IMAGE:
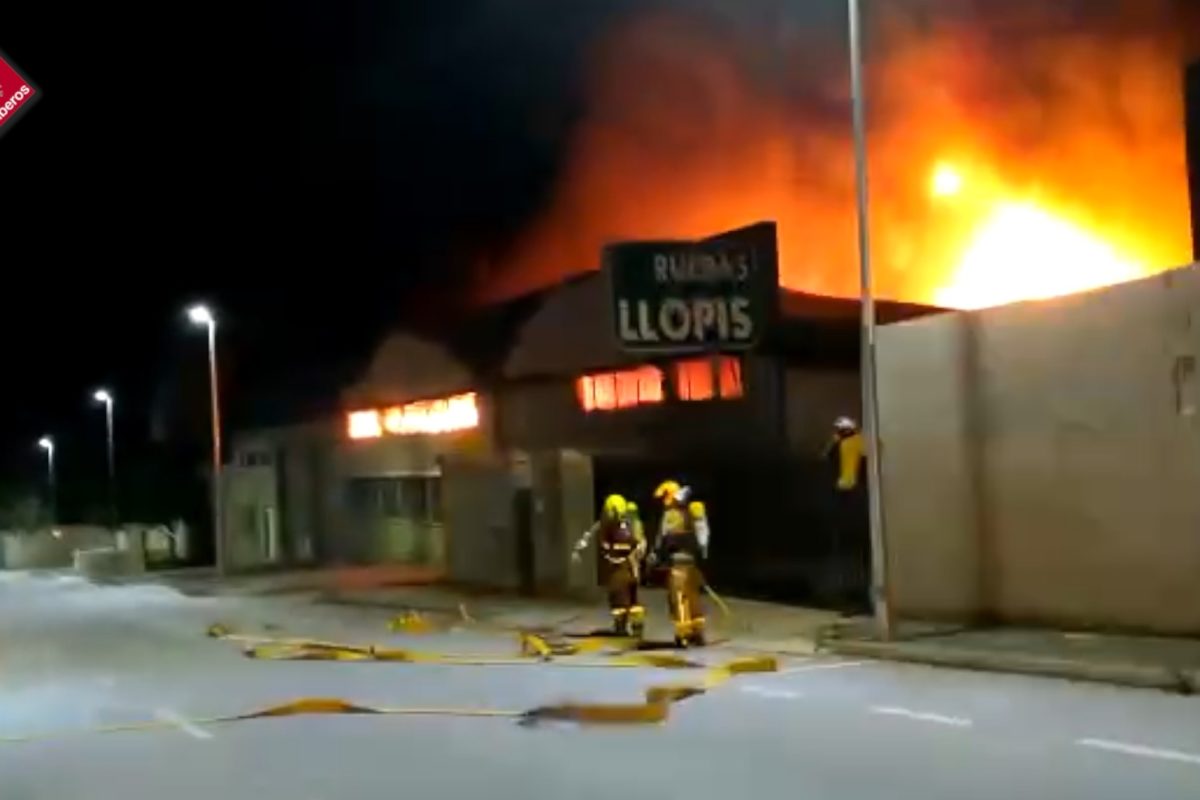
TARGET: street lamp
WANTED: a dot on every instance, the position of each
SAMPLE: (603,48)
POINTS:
(201,315)
(47,444)
(880,587)
(104,396)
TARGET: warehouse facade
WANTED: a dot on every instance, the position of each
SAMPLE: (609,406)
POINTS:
(489,474)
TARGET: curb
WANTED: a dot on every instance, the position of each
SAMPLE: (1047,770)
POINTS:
(803,646)
(1140,676)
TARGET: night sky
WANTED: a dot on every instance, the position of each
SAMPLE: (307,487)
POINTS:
(318,170)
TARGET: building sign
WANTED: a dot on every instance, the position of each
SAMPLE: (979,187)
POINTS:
(445,415)
(16,94)
(680,296)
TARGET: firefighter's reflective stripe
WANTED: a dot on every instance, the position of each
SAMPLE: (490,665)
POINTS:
(617,553)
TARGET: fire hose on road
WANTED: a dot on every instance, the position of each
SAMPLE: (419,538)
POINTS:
(537,650)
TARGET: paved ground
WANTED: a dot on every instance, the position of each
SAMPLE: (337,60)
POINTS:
(74,655)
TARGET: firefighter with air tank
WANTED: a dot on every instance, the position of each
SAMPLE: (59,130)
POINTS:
(622,545)
(681,544)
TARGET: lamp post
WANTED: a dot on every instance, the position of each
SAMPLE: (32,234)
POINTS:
(880,587)
(47,444)
(105,397)
(201,315)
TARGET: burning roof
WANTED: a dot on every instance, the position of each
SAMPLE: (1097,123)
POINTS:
(1018,150)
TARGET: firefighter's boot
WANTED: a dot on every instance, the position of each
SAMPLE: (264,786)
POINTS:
(637,621)
(697,638)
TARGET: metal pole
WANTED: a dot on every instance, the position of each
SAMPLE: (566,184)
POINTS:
(879,562)
(52,485)
(218,516)
(112,465)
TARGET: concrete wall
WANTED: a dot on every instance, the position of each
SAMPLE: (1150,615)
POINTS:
(563,505)
(43,549)
(481,533)
(1041,460)
(249,493)
(306,497)
(296,479)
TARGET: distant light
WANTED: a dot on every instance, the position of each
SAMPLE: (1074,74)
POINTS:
(200,315)
(946,181)
(102,396)
(46,443)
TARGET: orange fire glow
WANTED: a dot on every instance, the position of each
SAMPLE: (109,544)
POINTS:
(457,413)
(1012,156)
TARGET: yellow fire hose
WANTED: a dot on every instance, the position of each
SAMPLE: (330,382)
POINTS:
(303,706)
(655,707)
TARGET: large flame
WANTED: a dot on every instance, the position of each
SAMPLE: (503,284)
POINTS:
(1021,250)
(1010,158)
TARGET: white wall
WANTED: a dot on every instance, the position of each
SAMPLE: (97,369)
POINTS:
(1038,461)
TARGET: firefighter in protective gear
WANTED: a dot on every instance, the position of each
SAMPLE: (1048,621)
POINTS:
(849,550)
(847,451)
(622,545)
(682,543)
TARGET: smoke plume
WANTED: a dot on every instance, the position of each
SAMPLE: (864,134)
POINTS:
(698,122)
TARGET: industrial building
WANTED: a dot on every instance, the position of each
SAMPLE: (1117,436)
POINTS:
(486,472)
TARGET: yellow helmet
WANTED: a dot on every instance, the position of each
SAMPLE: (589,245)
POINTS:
(631,508)
(666,491)
(615,506)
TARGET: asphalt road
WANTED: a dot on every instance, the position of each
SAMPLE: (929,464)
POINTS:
(74,655)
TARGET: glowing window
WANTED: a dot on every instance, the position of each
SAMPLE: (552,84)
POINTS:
(694,379)
(364,425)
(729,373)
(706,378)
(612,390)
(443,415)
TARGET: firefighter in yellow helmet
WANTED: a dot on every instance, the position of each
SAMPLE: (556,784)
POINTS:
(847,451)
(622,545)
(682,542)
(849,551)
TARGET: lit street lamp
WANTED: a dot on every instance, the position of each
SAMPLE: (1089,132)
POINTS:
(47,444)
(200,315)
(880,589)
(104,396)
